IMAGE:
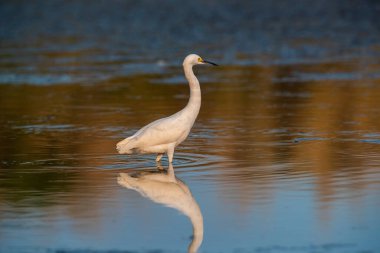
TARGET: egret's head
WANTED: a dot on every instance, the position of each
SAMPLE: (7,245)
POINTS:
(193,59)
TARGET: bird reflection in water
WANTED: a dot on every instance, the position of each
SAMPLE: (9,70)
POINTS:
(165,188)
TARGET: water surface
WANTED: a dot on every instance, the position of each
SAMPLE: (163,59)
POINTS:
(284,156)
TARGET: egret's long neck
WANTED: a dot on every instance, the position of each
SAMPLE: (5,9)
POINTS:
(194,103)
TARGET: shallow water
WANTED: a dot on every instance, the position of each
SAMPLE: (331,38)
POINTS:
(284,156)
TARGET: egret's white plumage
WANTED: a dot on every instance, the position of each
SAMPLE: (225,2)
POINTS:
(164,135)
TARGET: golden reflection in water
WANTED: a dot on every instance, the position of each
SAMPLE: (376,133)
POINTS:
(165,188)
(246,118)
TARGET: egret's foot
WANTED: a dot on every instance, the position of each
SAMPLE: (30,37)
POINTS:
(158,158)
(170,153)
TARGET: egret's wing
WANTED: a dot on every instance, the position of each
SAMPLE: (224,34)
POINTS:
(162,131)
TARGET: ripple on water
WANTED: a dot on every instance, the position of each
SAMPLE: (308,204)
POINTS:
(371,138)
(371,141)
(39,128)
(183,161)
(305,139)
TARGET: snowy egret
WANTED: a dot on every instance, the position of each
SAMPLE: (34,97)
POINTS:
(164,135)
(166,189)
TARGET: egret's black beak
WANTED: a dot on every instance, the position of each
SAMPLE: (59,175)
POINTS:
(214,64)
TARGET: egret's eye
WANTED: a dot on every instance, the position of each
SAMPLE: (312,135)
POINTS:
(200,59)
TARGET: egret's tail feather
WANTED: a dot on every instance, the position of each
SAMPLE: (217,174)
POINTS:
(125,180)
(125,146)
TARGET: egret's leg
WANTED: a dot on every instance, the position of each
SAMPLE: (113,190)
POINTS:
(158,158)
(170,173)
(170,153)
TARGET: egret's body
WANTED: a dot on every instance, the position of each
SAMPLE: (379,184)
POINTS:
(164,135)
